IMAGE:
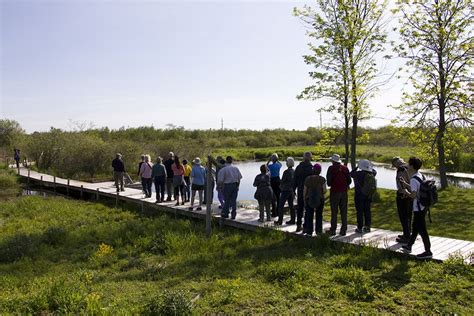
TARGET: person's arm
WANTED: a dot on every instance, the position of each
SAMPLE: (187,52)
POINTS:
(348,178)
(325,188)
(255,181)
(329,176)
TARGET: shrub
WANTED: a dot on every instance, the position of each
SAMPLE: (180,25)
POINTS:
(16,247)
(169,303)
(54,236)
(357,284)
(281,272)
(104,256)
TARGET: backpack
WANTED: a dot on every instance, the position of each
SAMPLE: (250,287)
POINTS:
(427,194)
(314,198)
(370,185)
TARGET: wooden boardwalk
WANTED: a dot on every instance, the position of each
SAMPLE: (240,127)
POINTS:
(441,247)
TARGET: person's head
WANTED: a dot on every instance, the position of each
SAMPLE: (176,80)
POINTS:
(335,159)
(397,162)
(185,162)
(118,155)
(274,157)
(290,162)
(317,169)
(307,156)
(263,169)
(229,159)
(197,161)
(147,158)
(176,160)
(171,155)
(159,160)
(414,163)
(142,157)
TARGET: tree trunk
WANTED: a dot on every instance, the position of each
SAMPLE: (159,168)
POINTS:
(346,112)
(355,107)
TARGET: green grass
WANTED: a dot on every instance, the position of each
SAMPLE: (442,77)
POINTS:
(9,186)
(453,215)
(375,153)
(66,256)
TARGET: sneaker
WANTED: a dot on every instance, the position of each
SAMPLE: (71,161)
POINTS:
(122,189)
(177,204)
(402,240)
(425,255)
(400,236)
(220,207)
(260,220)
(233,217)
(359,230)
(342,233)
(366,229)
(330,232)
(406,248)
(199,209)
(182,203)
(308,234)
(292,222)
(277,223)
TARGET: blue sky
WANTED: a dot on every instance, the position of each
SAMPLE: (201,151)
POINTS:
(133,63)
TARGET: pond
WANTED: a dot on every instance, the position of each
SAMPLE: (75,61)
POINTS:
(385,177)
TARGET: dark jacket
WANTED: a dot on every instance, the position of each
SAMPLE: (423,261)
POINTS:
(139,167)
(118,165)
(288,180)
(338,178)
(359,178)
(169,171)
(303,170)
(264,190)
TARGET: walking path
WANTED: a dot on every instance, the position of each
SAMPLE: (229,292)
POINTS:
(441,247)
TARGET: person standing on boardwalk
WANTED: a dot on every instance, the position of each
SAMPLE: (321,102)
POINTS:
(404,201)
(158,174)
(314,190)
(145,173)
(264,194)
(287,188)
(419,211)
(119,171)
(16,156)
(303,170)
(198,180)
(274,166)
(339,180)
(142,160)
(187,180)
(169,176)
(365,186)
(229,177)
(219,163)
(178,180)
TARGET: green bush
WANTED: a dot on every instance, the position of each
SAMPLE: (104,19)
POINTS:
(54,236)
(169,303)
(16,247)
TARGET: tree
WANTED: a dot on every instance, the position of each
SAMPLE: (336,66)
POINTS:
(10,130)
(349,34)
(436,40)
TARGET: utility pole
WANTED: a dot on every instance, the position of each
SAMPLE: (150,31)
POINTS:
(320,119)
(222,124)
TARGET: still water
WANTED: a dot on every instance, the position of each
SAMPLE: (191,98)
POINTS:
(385,177)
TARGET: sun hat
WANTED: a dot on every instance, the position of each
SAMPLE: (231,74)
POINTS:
(365,165)
(197,161)
(336,158)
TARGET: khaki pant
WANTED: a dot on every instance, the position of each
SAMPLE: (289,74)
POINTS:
(118,178)
(338,201)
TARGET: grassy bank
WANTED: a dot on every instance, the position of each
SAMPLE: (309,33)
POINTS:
(375,153)
(9,186)
(71,257)
(453,215)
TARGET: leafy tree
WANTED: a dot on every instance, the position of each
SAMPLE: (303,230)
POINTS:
(349,34)
(10,131)
(436,40)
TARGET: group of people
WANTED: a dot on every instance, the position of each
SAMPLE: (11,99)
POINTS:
(305,182)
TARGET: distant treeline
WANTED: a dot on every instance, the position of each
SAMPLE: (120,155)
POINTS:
(87,153)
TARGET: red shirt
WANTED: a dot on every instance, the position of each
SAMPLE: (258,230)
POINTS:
(338,178)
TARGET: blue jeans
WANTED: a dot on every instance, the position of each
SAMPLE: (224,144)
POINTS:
(146,184)
(160,183)
(362,205)
(231,190)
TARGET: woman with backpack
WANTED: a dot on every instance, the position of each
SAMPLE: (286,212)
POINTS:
(145,172)
(264,193)
(314,190)
(365,187)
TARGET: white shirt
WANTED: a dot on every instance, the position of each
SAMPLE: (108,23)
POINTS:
(229,174)
(415,187)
